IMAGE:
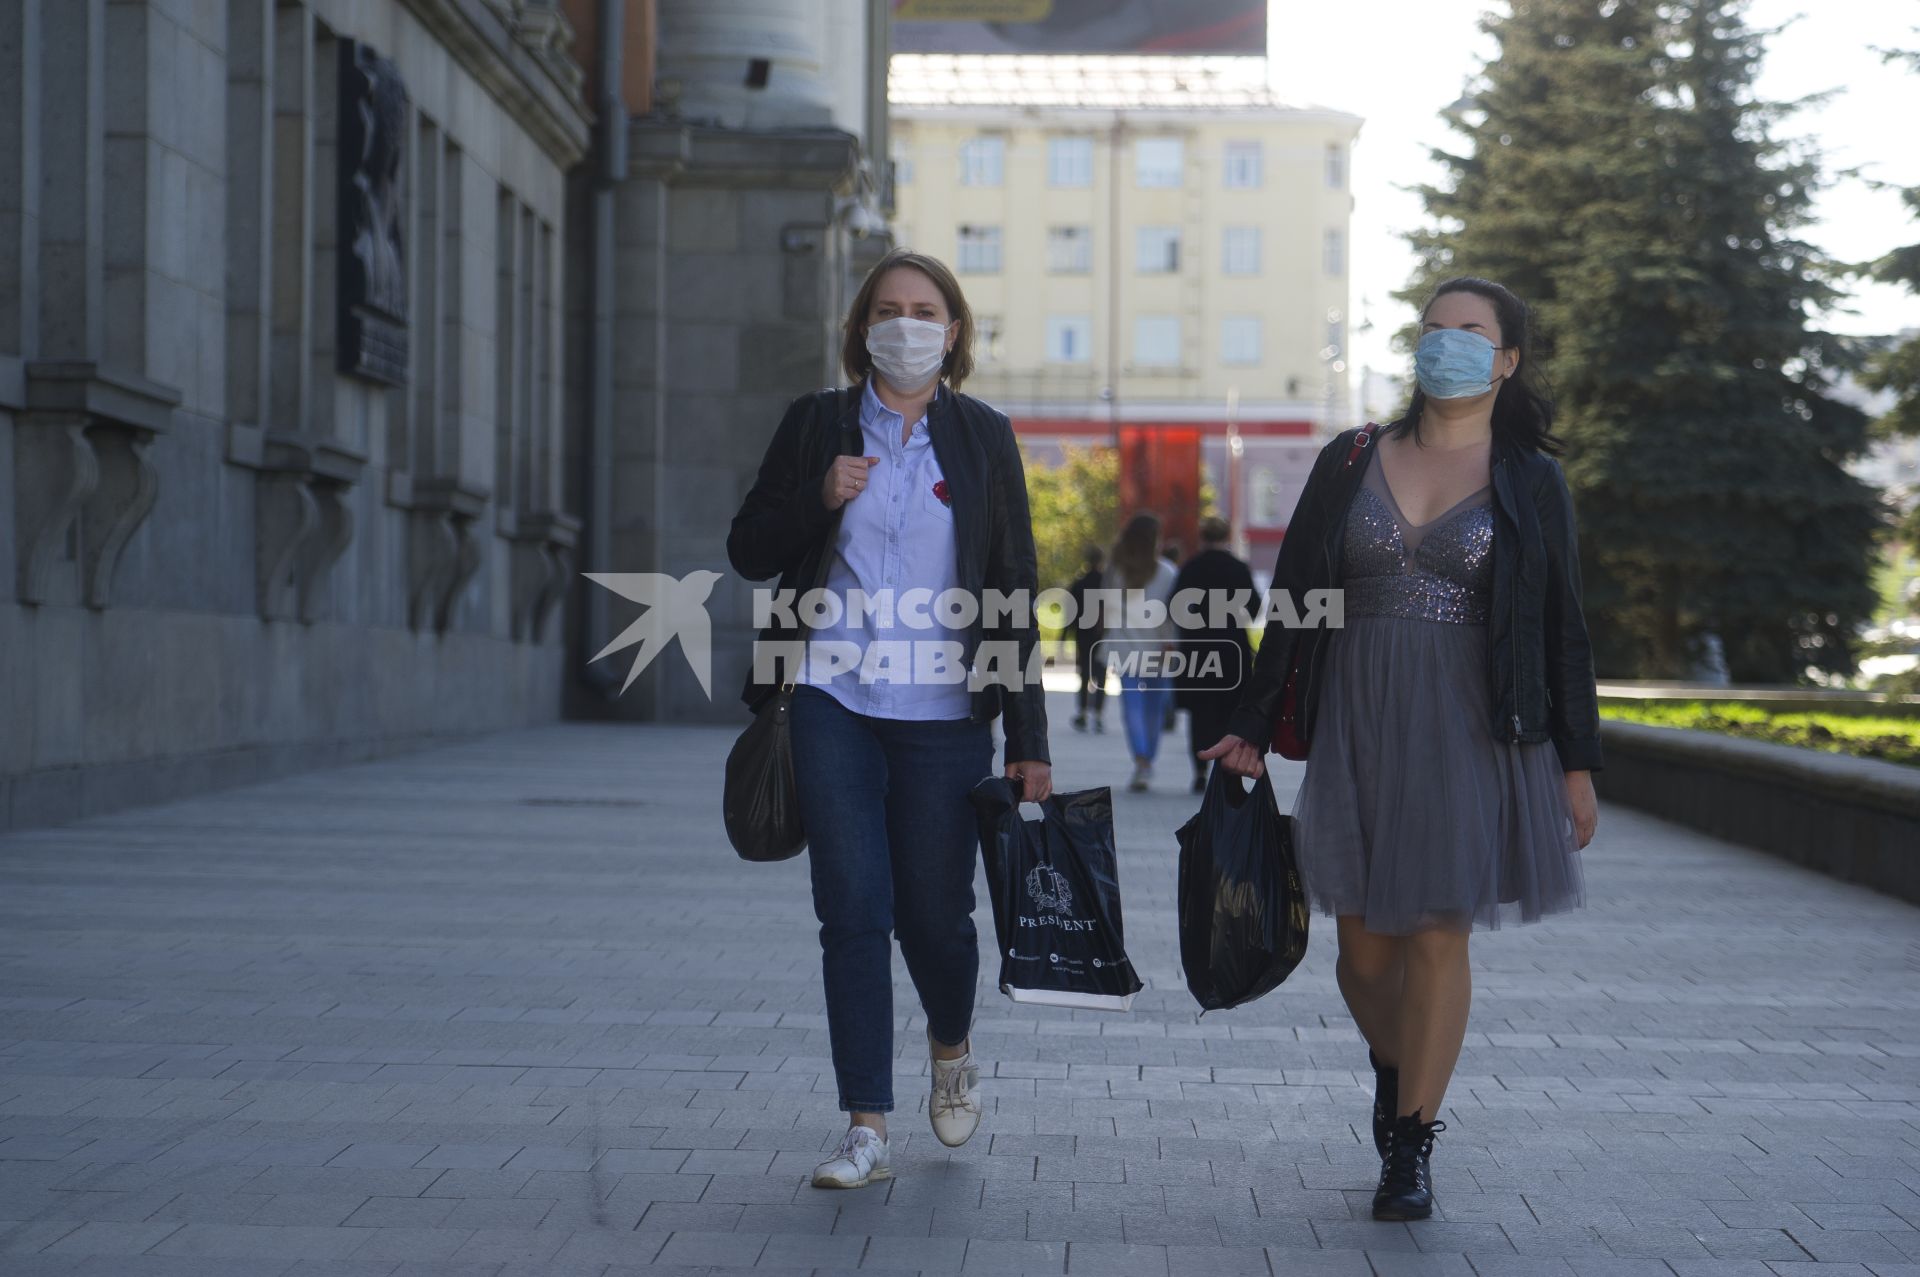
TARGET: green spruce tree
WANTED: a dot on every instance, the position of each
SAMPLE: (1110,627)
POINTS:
(1897,368)
(1623,178)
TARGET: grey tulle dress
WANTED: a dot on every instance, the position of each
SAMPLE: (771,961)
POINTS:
(1412,813)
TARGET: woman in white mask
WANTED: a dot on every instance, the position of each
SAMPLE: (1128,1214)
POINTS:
(913,494)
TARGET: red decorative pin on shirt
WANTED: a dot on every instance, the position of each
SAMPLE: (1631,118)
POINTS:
(940,490)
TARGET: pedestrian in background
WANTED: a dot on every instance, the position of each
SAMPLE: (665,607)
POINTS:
(1088,628)
(932,496)
(1449,780)
(1137,569)
(1208,694)
(1170,708)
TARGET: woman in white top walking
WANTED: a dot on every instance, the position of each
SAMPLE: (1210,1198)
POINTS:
(1147,582)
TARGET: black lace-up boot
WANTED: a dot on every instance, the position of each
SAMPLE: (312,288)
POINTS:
(1406,1178)
(1386,1101)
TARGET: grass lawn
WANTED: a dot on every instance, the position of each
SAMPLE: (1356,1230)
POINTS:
(1894,740)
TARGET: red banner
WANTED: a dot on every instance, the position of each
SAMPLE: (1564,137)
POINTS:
(1160,473)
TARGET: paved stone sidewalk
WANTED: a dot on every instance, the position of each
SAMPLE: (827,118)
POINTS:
(513,1007)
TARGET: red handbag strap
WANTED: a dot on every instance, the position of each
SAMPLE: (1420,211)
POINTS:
(1362,439)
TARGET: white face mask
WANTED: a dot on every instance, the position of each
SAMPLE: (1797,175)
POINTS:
(907,352)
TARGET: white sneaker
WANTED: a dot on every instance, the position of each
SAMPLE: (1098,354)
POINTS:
(955,1103)
(863,1158)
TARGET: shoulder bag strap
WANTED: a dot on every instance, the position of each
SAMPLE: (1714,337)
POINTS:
(1361,440)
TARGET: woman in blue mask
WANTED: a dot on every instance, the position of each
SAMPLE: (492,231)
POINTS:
(1452,718)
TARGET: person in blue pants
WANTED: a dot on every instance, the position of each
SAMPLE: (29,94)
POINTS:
(1138,638)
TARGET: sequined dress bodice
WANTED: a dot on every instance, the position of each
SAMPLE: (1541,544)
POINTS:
(1441,570)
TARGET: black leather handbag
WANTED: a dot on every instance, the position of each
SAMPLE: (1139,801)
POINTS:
(761,803)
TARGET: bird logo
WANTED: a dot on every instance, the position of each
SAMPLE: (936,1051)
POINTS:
(676,607)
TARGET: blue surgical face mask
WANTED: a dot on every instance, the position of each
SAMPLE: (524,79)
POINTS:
(1452,363)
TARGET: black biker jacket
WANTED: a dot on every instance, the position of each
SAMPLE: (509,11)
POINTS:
(1539,662)
(784,526)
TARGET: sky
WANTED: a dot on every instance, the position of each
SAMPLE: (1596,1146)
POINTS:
(1398,62)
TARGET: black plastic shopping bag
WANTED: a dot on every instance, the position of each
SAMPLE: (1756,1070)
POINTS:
(1056,898)
(1243,916)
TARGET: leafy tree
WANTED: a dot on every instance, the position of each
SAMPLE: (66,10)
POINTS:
(1623,178)
(1074,505)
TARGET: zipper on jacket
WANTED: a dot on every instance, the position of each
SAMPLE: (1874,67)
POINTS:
(1513,647)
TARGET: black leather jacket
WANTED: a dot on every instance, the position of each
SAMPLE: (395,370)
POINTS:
(1539,663)
(784,526)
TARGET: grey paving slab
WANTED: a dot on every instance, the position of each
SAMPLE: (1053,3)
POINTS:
(514,1007)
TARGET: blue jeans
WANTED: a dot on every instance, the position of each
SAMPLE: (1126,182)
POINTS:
(892,840)
(1143,701)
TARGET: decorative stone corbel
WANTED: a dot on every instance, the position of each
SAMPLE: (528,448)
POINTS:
(54,474)
(324,545)
(443,550)
(302,523)
(284,515)
(82,472)
(543,544)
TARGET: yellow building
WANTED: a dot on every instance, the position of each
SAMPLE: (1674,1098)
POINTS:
(1147,242)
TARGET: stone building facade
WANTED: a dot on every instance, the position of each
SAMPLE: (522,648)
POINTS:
(282,364)
(746,203)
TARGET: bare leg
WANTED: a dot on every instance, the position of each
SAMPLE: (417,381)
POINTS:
(1435,999)
(1370,973)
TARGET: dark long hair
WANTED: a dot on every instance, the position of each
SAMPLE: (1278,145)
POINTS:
(1137,549)
(1522,411)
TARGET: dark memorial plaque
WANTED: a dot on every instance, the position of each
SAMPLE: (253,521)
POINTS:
(373,275)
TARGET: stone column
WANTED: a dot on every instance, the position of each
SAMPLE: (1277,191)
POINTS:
(753,64)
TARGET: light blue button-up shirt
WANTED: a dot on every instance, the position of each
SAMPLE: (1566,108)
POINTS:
(895,536)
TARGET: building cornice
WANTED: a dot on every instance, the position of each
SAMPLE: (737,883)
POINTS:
(1105,118)
(802,159)
(518,51)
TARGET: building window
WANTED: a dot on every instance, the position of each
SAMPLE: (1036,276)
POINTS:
(1069,250)
(1156,340)
(1070,161)
(1242,165)
(1240,250)
(1263,497)
(1157,250)
(979,250)
(1240,339)
(1069,339)
(1158,161)
(1334,252)
(1336,166)
(983,161)
(1336,340)
(987,334)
